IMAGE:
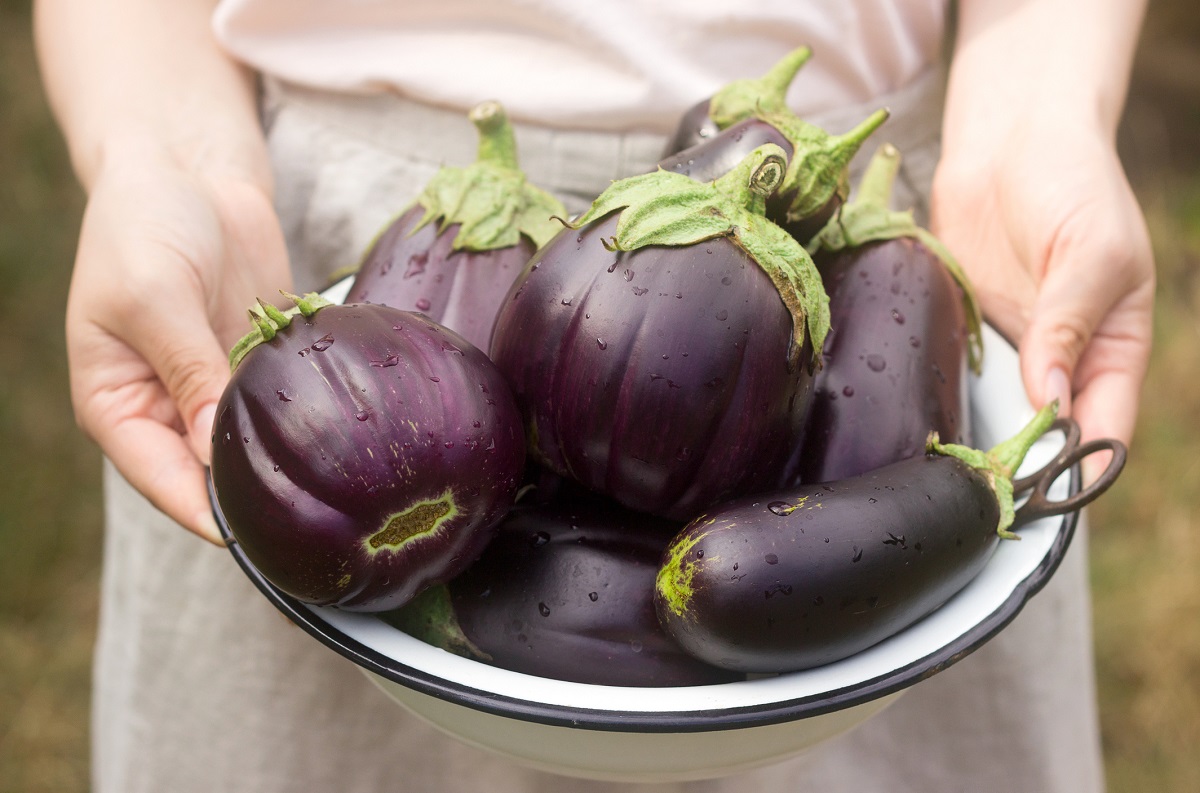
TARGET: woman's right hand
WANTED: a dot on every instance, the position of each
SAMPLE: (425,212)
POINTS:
(169,261)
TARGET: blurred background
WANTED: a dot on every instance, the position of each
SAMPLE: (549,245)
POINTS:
(1146,531)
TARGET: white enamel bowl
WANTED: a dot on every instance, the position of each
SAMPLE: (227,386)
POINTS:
(664,734)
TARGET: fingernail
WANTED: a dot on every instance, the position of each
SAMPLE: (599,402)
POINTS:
(1058,386)
(206,527)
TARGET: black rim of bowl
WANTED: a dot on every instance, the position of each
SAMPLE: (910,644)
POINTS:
(664,721)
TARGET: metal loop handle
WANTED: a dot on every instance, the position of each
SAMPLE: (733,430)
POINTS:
(1040,505)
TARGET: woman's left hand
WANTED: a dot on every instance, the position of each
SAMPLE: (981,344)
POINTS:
(1050,233)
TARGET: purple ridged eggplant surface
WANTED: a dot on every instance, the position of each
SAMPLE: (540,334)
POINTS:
(459,289)
(895,361)
(660,376)
(363,454)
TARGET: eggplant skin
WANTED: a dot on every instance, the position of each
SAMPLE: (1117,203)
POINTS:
(894,364)
(566,591)
(695,126)
(658,377)
(364,454)
(460,290)
(811,575)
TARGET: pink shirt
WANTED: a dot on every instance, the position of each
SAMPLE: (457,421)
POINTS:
(603,64)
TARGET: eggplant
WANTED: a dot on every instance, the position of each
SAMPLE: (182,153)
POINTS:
(455,251)
(661,346)
(905,329)
(716,134)
(815,185)
(735,102)
(362,453)
(565,591)
(806,576)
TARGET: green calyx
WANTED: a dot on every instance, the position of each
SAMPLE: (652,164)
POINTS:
(1001,462)
(869,218)
(819,162)
(430,617)
(490,200)
(665,208)
(269,320)
(742,99)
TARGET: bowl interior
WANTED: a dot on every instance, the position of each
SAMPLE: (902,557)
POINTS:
(1016,571)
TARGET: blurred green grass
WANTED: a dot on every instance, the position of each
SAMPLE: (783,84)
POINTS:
(50,510)
(1146,545)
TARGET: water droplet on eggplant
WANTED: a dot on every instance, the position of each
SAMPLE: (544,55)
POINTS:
(566,301)
(416,264)
(322,344)
(543,609)
(848,391)
(601,343)
(876,362)
(781,508)
(771,559)
(283,397)
(593,596)
(627,275)
(722,315)
(423,304)
(362,415)
(897,317)
(391,360)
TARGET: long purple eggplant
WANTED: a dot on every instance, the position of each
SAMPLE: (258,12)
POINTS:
(565,591)
(661,348)
(716,134)
(809,575)
(904,330)
(362,453)
(453,254)
(736,101)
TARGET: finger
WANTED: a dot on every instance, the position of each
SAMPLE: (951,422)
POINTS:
(158,462)
(1068,311)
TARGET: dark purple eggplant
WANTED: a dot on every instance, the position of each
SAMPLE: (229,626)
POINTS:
(565,591)
(904,329)
(815,185)
(810,575)
(362,453)
(455,251)
(736,101)
(661,347)
(716,134)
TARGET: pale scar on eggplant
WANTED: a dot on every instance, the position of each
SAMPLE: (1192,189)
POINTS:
(674,580)
(422,519)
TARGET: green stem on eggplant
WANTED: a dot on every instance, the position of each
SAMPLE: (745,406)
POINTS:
(269,320)
(490,200)
(869,218)
(1001,462)
(742,99)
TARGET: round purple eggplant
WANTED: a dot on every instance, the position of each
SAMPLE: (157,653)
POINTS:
(904,329)
(810,575)
(661,352)
(565,591)
(362,453)
(454,253)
